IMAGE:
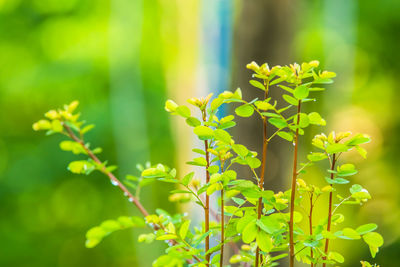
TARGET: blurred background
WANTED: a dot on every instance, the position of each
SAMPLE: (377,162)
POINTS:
(122,59)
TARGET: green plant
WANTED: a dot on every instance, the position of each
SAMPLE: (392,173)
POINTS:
(267,224)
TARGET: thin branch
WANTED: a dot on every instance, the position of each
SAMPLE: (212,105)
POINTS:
(221,259)
(262,171)
(207,204)
(328,228)
(118,183)
(293,192)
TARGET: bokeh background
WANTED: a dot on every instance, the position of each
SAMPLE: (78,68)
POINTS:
(123,58)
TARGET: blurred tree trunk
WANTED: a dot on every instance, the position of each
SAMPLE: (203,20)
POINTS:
(262,33)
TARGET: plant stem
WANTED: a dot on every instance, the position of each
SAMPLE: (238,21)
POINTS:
(221,259)
(311,225)
(263,163)
(114,179)
(328,228)
(293,191)
(207,204)
(110,175)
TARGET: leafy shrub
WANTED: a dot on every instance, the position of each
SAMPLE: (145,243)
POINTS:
(260,225)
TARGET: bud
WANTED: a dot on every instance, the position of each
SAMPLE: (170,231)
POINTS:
(52,114)
(170,106)
(253,66)
(71,107)
(41,125)
(314,63)
(264,69)
(245,247)
(327,74)
(236,259)
(342,135)
(301,183)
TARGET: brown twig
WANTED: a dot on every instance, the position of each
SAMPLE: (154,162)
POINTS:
(207,204)
(117,182)
(311,224)
(293,190)
(221,259)
(328,228)
(263,163)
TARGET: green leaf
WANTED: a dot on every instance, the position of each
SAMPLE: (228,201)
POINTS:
(198,162)
(269,224)
(278,123)
(286,88)
(358,140)
(96,234)
(184,111)
(192,121)
(73,146)
(216,103)
(257,84)
(188,177)
(56,126)
(184,229)
(291,100)
(336,180)
(269,114)
(241,150)
(203,132)
(336,257)
(373,239)
(214,187)
(81,166)
(167,237)
(243,222)
(223,136)
(238,201)
(366,228)
(249,232)
(304,120)
(264,241)
(336,148)
(316,119)
(351,233)
(227,125)
(362,151)
(146,238)
(213,169)
(201,238)
(254,163)
(285,135)
(87,128)
(263,105)
(316,156)
(346,170)
(356,188)
(244,110)
(301,92)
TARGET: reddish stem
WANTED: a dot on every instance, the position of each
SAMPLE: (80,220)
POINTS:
(328,228)
(311,225)
(207,204)
(293,190)
(221,260)
(117,182)
(262,171)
